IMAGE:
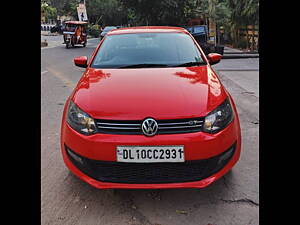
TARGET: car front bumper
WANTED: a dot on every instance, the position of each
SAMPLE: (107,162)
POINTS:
(101,148)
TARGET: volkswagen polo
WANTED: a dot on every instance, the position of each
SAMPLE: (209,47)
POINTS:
(149,112)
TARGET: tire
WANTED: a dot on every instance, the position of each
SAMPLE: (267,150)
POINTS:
(67,45)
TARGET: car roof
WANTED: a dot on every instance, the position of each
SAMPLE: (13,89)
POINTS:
(109,28)
(147,29)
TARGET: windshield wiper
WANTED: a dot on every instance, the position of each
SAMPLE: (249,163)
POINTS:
(190,64)
(144,65)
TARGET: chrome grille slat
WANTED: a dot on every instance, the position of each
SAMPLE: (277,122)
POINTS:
(179,127)
(118,124)
(133,127)
(181,123)
(119,127)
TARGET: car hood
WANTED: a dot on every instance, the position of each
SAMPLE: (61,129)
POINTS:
(160,93)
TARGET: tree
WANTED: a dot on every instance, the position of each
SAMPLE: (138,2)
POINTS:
(159,12)
(251,14)
(49,12)
(59,5)
(70,8)
(243,13)
(231,14)
(106,12)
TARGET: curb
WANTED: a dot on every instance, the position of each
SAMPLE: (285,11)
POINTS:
(255,52)
(241,52)
(240,56)
(48,47)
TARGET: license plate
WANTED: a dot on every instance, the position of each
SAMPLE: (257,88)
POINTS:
(150,154)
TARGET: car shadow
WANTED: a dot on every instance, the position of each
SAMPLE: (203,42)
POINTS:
(184,200)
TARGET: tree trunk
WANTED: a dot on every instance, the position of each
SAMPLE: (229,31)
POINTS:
(253,33)
(247,37)
(238,36)
(235,42)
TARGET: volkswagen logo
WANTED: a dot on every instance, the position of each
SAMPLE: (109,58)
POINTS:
(149,127)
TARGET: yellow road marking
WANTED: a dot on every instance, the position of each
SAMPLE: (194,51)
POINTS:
(60,76)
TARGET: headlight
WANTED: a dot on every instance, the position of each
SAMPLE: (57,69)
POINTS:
(219,118)
(80,121)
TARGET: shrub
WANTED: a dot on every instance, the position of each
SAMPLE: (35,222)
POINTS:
(242,43)
(94,30)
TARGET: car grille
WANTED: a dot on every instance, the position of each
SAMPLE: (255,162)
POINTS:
(164,126)
(151,173)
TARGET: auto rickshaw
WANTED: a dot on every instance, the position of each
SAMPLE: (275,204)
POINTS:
(75,33)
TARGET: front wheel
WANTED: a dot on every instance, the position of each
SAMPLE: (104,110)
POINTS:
(67,45)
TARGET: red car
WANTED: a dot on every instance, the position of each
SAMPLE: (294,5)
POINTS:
(150,112)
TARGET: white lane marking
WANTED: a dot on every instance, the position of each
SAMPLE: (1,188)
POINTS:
(44,72)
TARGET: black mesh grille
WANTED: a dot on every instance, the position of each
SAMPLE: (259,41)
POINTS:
(152,173)
(164,126)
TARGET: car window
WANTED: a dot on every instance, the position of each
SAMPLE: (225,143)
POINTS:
(146,48)
(199,30)
(189,29)
(109,28)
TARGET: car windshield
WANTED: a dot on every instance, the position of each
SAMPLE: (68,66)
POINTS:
(199,30)
(141,50)
(71,27)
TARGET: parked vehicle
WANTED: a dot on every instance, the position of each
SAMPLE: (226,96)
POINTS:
(57,28)
(150,113)
(105,30)
(200,33)
(75,33)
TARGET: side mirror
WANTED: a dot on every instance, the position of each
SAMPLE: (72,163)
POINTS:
(81,61)
(214,58)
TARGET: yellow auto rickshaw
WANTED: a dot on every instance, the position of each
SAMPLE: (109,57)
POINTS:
(75,33)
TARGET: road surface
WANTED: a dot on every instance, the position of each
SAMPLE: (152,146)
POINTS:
(66,200)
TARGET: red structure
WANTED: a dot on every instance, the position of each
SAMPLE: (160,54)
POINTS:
(196,21)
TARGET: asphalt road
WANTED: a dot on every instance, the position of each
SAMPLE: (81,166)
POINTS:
(233,199)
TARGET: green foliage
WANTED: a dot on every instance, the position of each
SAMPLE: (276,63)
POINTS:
(158,12)
(48,11)
(161,12)
(243,13)
(223,13)
(70,8)
(231,14)
(251,11)
(106,12)
(94,30)
(64,7)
